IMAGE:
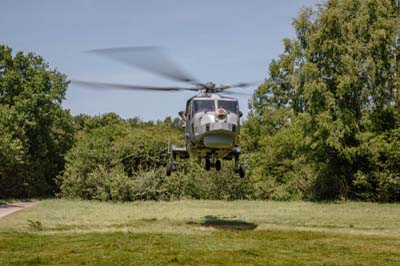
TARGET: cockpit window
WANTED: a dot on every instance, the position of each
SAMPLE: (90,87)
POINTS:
(203,106)
(230,106)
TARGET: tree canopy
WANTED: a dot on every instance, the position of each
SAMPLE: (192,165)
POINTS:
(331,104)
(35,132)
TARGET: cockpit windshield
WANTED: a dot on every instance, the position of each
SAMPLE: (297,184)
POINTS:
(203,106)
(230,106)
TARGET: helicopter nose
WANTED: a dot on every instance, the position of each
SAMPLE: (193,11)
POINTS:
(221,113)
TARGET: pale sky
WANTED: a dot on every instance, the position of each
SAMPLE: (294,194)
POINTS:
(224,41)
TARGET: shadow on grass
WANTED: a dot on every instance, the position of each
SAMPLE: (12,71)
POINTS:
(224,224)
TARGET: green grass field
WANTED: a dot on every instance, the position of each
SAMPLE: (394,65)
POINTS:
(65,232)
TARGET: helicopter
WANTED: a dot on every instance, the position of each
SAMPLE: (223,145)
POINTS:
(211,119)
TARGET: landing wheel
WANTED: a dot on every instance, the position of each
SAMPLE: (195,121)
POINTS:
(218,165)
(241,171)
(208,164)
(169,169)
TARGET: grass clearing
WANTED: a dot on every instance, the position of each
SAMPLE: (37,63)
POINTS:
(68,232)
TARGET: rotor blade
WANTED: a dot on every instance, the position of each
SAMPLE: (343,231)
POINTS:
(106,85)
(240,85)
(236,93)
(152,59)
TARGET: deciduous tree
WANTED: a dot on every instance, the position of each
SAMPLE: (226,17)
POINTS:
(35,132)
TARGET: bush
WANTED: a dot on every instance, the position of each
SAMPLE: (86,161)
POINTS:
(117,160)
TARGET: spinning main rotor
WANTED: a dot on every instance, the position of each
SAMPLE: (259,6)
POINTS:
(154,60)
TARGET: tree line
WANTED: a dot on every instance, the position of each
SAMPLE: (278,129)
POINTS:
(323,126)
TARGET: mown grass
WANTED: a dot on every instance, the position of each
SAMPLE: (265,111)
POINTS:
(202,233)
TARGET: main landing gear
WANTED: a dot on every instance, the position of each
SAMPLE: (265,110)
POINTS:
(175,151)
(239,168)
(169,168)
(211,161)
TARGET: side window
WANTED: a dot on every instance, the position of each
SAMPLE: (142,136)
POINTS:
(189,111)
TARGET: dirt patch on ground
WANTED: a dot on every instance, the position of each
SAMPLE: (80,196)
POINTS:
(14,207)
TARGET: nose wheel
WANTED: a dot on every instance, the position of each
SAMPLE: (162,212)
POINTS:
(208,165)
(216,163)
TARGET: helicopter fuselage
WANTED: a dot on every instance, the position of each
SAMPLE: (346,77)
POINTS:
(212,130)
(212,126)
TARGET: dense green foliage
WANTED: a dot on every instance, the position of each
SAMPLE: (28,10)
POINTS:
(326,122)
(114,159)
(35,132)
